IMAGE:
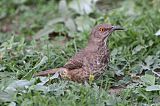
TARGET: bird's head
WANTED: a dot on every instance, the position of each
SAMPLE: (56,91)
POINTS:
(101,32)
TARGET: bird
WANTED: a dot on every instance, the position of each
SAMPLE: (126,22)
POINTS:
(89,62)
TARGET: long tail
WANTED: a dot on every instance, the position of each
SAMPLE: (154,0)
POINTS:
(48,72)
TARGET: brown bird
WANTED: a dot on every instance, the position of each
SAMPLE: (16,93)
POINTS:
(90,61)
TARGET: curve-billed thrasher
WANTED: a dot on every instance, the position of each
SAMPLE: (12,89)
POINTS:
(90,61)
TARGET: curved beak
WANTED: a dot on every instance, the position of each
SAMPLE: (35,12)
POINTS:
(113,29)
(117,28)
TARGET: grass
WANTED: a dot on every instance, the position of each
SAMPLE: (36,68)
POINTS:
(134,63)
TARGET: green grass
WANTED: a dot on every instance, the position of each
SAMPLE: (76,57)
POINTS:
(135,54)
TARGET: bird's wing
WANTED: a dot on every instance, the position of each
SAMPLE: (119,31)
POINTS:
(76,61)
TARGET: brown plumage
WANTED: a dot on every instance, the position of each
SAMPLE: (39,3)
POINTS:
(91,60)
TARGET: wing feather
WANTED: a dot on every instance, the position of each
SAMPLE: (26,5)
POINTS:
(76,61)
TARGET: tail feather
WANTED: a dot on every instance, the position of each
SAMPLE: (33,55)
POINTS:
(48,72)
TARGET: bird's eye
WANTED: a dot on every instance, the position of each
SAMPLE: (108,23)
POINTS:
(102,29)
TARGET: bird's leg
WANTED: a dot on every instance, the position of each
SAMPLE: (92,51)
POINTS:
(91,69)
